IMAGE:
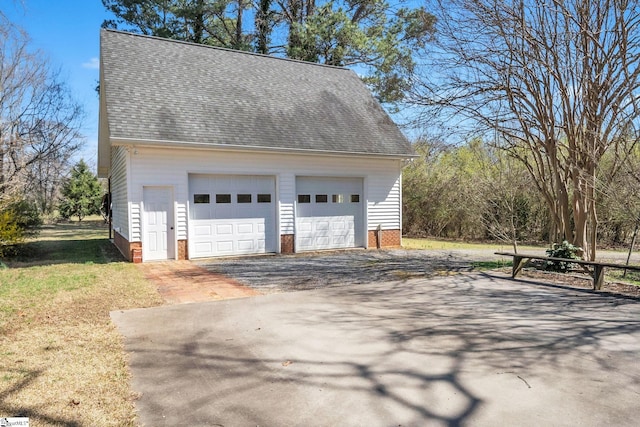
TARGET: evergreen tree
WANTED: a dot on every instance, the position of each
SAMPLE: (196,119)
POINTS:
(379,38)
(81,193)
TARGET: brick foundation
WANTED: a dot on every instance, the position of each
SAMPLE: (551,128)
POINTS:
(388,239)
(287,243)
(136,254)
(183,250)
(132,251)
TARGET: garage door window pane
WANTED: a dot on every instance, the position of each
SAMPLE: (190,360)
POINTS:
(244,198)
(304,198)
(201,198)
(264,198)
(337,198)
(355,198)
(223,198)
(321,198)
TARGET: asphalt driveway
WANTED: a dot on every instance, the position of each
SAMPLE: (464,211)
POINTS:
(271,274)
(470,349)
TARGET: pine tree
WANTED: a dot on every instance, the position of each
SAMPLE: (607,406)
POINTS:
(81,193)
(380,38)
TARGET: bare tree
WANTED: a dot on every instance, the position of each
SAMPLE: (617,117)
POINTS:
(557,81)
(45,179)
(39,121)
(508,204)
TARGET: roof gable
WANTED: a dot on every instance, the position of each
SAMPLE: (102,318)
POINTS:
(163,90)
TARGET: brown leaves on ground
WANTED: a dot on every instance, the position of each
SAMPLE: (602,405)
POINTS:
(62,360)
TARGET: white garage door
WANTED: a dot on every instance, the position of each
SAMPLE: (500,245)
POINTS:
(231,215)
(329,213)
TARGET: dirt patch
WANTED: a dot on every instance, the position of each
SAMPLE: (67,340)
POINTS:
(578,280)
(181,282)
(63,361)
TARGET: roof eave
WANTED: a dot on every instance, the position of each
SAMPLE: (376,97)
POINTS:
(256,149)
(104,146)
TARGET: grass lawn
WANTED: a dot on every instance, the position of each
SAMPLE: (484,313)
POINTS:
(632,277)
(612,275)
(410,243)
(62,361)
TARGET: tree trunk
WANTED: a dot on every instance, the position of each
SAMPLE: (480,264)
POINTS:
(633,242)
(263,26)
(198,23)
(238,35)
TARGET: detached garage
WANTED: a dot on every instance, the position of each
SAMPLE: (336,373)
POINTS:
(213,152)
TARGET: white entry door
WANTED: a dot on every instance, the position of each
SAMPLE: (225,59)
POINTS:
(157,240)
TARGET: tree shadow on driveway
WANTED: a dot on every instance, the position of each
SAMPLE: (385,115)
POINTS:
(465,350)
(284,273)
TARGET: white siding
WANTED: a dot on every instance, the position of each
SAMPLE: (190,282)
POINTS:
(136,221)
(385,204)
(119,200)
(167,167)
(286,192)
(181,221)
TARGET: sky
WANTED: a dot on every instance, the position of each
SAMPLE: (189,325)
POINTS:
(68,34)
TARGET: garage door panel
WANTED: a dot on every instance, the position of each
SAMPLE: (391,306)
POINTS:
(245,228)
(326,216)
(246,245)
(322,241)
(338,240)
(224,246)
(340,225)
(322,225)
(346,240)
(234,236)
(204,247)
(224,229)
(203,230)
(236,223)
(304,226)
(305,242)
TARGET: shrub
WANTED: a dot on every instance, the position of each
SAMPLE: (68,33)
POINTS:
(18,220)
(27,216)
(10,233)
(565,250)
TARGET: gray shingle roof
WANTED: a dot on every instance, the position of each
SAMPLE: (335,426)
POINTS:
(164,90)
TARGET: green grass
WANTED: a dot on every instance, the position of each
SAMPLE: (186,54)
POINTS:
(72,242)
(632,277)
(410,243)
(58,340)
(491,265)
(56,261)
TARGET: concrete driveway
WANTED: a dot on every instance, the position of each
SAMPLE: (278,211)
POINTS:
(470,349)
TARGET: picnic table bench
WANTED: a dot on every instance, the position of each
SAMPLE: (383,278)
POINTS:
(597,271)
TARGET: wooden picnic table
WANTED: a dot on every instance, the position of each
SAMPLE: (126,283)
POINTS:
(597,267)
